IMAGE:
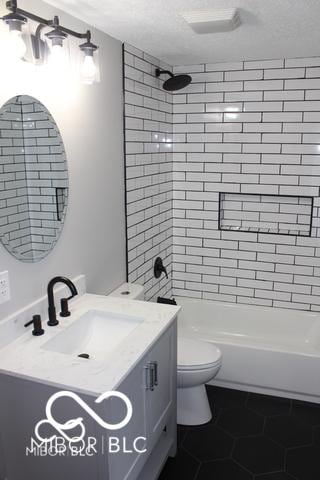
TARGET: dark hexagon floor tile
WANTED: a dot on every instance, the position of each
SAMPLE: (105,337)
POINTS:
(181,434)
(208,443)
(222,470)
(267,405)
(225,397)
(259,454)
(275,476)
(289,431)
(304,463)
(241,421)
(306,412)
(215,414)
(215,408)
(182,466)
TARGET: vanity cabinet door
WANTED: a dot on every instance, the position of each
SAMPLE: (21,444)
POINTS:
(124,464)
(161,382)
(152,392)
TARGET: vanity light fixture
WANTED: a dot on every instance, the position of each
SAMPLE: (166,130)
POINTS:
(17,21)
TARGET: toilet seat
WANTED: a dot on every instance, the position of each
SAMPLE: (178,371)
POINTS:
(197,354)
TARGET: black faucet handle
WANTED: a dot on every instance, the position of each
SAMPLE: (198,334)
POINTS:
(165,271)
(65,312)
(159,268)
(37,325)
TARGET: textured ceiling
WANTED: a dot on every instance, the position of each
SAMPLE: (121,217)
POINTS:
(270,28)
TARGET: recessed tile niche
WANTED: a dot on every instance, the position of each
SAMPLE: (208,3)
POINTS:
(276,214)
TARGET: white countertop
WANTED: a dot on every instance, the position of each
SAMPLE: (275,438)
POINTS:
(25,358)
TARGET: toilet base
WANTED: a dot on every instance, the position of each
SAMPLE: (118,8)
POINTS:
(193,406)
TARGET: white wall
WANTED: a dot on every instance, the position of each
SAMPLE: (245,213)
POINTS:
(90,121)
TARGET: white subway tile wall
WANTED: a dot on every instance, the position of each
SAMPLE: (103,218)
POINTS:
(149,180)
(250,134)
(248,128)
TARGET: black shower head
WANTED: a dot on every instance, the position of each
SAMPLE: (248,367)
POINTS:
(175,82)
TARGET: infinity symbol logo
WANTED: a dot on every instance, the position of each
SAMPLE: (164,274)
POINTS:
(78,422)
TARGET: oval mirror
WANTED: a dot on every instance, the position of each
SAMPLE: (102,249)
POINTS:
(33,179)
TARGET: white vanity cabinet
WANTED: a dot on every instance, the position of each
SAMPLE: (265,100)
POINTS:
(151,387)
(143,366)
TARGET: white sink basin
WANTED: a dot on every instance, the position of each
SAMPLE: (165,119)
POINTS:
(95,333)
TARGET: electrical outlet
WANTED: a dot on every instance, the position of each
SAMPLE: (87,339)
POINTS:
(4,287)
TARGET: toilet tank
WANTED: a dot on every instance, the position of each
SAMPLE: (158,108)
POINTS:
(134,291)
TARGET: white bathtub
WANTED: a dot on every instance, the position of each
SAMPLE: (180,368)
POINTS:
(265,350)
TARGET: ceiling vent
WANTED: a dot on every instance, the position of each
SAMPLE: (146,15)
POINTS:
(213,21)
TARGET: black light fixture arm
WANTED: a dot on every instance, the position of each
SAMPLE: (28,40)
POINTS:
(13,7)
(37,43)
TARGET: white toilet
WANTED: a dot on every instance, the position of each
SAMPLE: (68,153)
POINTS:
(132,291)
(198,363)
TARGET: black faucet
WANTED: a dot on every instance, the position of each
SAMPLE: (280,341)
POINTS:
(51,307)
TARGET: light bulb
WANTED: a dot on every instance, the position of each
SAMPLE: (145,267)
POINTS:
(88,69)
(57,55)
(17,47)
(58,60)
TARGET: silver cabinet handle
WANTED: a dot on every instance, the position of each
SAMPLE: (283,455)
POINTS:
(149,369)
(155,372)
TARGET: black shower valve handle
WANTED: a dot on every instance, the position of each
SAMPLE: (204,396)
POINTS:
(159,268)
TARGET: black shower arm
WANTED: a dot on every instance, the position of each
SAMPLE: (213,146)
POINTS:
(162,72)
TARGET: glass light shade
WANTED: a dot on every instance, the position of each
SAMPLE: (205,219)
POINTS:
(17,38)
(89,67)
(59,57)
(17,47)
(15,42)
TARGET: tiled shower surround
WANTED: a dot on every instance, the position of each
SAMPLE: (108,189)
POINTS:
(148,122)
(251,129)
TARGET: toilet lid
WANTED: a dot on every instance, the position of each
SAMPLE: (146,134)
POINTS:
(195,354)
